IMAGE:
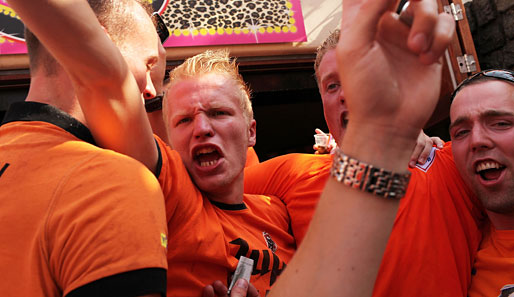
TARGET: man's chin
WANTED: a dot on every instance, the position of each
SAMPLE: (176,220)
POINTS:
(210,185)
(499,201)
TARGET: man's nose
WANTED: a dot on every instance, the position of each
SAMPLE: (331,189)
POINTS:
(149,91)
(202,126)
(342,99)
(480,139)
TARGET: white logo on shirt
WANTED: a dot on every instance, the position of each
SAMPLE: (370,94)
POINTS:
(430,160)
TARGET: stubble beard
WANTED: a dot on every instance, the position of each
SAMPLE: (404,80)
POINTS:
(501,201)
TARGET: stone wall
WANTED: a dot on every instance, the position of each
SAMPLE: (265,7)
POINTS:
(492,26)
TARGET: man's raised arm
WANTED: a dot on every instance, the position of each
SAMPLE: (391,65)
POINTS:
(108,93)
(391,77)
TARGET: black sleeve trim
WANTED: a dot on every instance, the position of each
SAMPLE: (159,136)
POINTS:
(158,167)
(154,104)
(127,284)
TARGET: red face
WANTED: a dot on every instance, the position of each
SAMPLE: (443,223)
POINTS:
(206,125)
(482,132)
(332,95)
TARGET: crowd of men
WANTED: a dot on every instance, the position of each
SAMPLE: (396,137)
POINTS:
(101,198)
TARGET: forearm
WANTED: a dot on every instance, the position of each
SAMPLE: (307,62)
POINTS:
(120,124)
(380,144)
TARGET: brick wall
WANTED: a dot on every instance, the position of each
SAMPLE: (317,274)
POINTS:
(492,25)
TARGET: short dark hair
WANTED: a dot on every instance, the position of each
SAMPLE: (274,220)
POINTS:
(114,15)
(485,75)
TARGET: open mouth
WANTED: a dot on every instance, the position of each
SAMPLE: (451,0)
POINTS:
(206,156)
(344,119)
(489,170)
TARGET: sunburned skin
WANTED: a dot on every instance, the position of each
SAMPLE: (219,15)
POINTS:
(482,133)
(332,95)
(208,128)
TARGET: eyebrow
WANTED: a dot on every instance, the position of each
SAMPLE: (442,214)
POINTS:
(212,106)
(486,114)
(329,76)
(458,121)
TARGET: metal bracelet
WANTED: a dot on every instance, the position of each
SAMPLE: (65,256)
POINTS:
(365,177)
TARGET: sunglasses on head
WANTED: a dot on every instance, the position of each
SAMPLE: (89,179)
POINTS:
(506,75)
(154,104)
(162,29)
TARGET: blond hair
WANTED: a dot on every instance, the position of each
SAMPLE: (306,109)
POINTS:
(330,43)
(212,61)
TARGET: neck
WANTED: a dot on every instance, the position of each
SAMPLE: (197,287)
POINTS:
(56,90)
(501,221)
(229,194)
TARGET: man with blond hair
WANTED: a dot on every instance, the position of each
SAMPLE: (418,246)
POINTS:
(210,124)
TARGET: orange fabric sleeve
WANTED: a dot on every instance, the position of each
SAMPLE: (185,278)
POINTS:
(251,157)
(298,179)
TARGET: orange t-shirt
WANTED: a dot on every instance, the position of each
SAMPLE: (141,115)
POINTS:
(494,265)
(298,179)
(435,234)
(207,238)
(74,218)
(251,157)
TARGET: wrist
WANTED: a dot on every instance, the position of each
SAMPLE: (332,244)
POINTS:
(384,146)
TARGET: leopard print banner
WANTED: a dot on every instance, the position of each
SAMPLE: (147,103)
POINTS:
(208,22)
(198,22)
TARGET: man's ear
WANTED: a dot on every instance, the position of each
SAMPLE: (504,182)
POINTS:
(252,133)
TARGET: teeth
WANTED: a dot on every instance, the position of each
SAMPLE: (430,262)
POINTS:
(487,165)
(207,163)
(205,151)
